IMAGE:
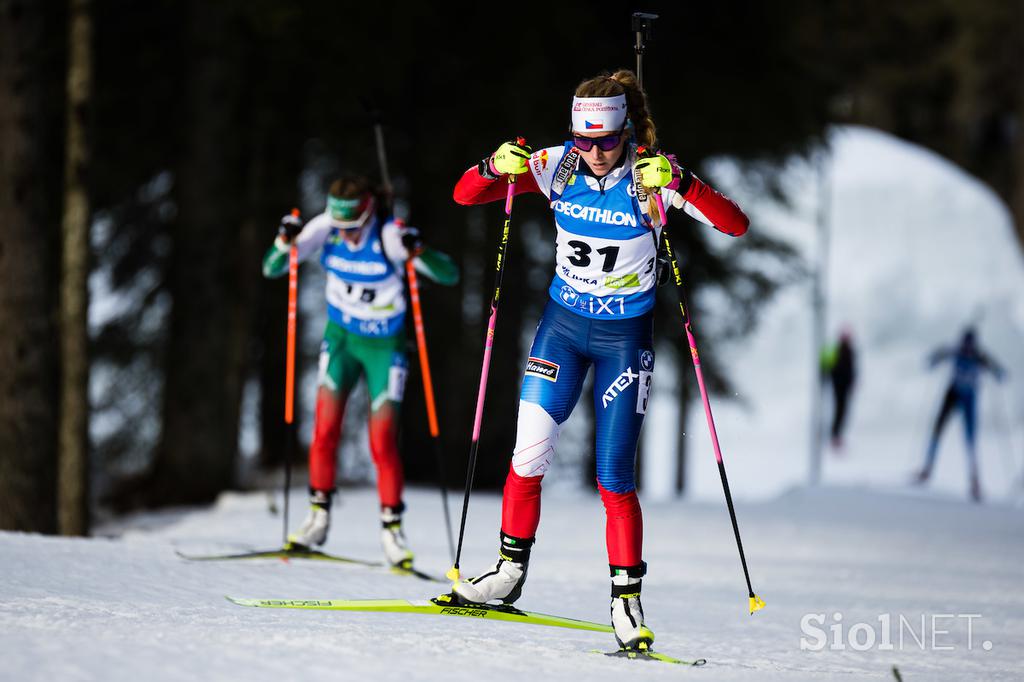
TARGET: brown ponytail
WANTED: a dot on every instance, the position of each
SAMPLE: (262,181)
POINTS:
(623,82)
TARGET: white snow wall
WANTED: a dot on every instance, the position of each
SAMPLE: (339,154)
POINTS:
(919,249)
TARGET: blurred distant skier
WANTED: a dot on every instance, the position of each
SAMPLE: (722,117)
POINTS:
(968,363)
(839,363)
(363,249)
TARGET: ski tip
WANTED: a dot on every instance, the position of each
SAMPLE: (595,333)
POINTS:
(241,601)
(453,574)
(648,655)
(756,603)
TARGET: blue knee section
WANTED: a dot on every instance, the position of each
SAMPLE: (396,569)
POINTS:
(623,372)
(620,482)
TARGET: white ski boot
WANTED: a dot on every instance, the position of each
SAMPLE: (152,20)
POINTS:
(313,531)
(504,580)
(392,539)
(627,612)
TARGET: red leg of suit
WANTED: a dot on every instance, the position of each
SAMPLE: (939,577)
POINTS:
(384,449)
(520,505)
(624,529)
(323,451)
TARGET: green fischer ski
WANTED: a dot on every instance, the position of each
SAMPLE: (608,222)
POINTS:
(284,553)
(445,605)
(648,656)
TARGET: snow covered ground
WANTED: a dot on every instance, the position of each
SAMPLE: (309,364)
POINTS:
(127,608)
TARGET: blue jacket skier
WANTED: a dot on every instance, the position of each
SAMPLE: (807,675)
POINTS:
(968,363)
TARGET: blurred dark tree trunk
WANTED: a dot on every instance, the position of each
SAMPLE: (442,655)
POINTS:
(73,470)
(276,149)
(685,379)
(949,76)
(196,456)
(1018,165)
(31,109)
(271,325)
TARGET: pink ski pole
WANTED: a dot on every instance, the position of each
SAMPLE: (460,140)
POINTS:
(453,572)
(756,603)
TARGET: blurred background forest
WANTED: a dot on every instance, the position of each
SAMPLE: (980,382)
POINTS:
(148,149)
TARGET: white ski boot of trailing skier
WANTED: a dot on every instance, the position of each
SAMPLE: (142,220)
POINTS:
(313,531)
(627,612)
(392,539)
(504,580)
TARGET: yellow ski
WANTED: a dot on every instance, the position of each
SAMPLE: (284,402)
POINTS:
(445,605)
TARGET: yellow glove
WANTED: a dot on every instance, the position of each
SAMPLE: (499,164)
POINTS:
(511,157)
(655,171)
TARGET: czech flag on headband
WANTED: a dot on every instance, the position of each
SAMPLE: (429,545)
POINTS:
(591,125)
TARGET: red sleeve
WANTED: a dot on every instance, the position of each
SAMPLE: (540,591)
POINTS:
(472,188)
(722,211)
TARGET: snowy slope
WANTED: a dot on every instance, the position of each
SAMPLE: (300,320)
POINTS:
(129,609)
(919,249)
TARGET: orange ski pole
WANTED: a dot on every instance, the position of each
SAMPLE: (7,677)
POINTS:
(289,380)
(428,391)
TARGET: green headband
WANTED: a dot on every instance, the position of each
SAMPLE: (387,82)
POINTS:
(344,209)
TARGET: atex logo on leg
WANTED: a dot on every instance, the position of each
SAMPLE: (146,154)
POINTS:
(624,381)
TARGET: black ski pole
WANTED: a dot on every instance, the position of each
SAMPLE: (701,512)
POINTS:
(642,28)
(453,572)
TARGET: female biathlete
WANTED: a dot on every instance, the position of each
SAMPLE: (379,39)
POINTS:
(599,313)
(363,252)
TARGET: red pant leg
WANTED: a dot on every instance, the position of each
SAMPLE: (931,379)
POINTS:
(520,505)
(323,451)
(624,529)
(384,449)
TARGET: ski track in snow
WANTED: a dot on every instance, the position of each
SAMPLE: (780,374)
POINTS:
(129,608)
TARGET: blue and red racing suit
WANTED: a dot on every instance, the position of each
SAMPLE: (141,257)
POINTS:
(600,314)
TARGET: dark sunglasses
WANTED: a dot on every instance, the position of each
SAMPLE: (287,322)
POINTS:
(605,144)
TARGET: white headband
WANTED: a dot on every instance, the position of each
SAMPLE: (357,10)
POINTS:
(598,114)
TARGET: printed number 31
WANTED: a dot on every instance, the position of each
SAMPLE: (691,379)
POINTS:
(581,257)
